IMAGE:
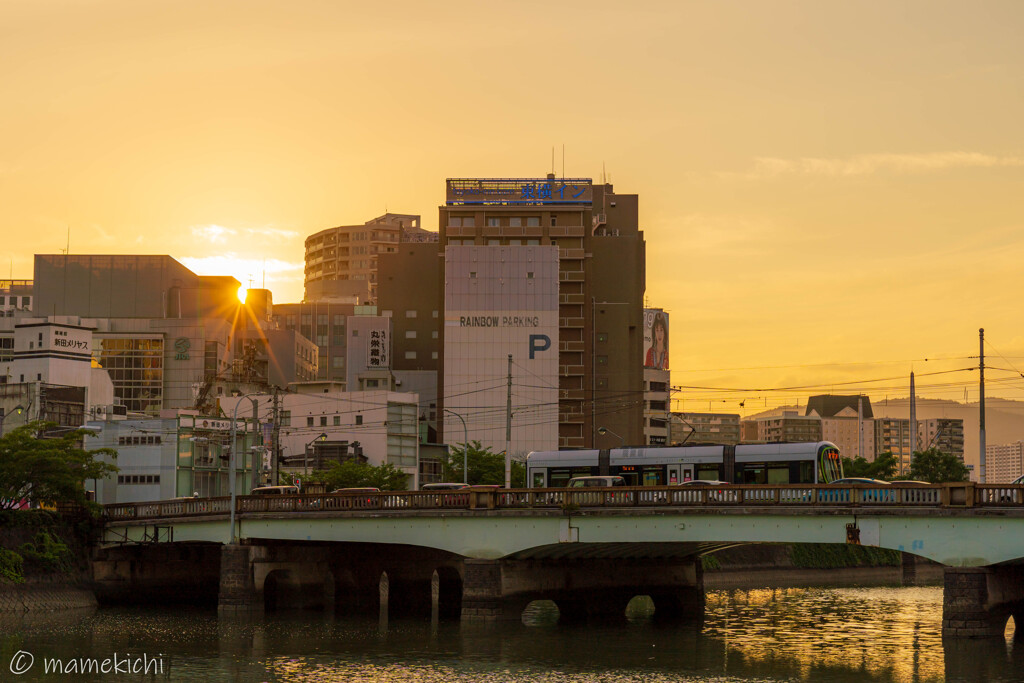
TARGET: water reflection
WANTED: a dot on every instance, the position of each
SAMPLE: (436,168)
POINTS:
(888,635)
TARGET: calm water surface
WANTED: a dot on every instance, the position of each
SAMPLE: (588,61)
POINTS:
(815,634)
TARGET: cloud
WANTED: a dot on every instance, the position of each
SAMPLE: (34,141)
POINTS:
(866,164)
(219,234)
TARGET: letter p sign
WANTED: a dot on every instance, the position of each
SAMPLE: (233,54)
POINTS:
(539,342)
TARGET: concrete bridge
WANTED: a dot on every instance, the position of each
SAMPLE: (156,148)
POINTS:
(487,553)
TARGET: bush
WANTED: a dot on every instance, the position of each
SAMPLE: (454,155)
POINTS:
(836,556)
(47,552)
(10,567)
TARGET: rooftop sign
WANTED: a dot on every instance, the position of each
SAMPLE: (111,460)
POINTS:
(519,191)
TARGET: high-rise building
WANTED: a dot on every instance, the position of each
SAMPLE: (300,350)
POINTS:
(15,296)
(581,330)
(1004,462)
(790,427)
(892,435)
(657,382)
(697,428)
(341,262)
(944,433)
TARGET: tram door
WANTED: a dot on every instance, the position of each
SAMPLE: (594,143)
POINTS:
(673,474)
(687,472)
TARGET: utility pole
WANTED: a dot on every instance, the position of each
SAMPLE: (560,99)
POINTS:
(508,427)
(257,439)
(913,419)
(275,450)
(860,426)
(981,393)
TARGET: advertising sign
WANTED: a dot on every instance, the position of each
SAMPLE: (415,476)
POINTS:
(655,339)
(518,191)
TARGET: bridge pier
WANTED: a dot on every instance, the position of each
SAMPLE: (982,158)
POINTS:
(582,588)
(237,587)
(977,602)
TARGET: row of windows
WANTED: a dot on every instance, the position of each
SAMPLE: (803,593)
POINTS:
(495,221)
(138,440)
(26,301)
(138,479)
(323,420)
(497,242)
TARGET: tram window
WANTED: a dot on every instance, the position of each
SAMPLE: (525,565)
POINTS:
(752,475)
(654,477)
(778,475)
(538,480)
(630,477)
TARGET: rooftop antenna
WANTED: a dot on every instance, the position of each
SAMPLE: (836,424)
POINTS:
(603,174)
(563,159)
(552,159)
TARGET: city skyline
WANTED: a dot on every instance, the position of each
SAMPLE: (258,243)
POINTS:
(828,192)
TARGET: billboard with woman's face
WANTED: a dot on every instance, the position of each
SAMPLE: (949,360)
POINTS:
(655,339)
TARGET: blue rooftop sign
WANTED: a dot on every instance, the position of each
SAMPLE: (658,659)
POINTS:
(519,191)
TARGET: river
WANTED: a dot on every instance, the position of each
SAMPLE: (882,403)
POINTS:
(796,634)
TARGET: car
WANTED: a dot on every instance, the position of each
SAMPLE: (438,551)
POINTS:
(860,481)
(358,489)
(601,481)
(275,491)
(444,486)
(703,482)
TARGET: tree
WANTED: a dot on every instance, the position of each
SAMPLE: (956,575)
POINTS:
(353,474)
(882,467)
(937,467)
(485,466)
(51,468)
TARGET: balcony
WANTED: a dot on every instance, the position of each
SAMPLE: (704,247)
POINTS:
(571,254)
(571,276)
(570,322)
(566,231)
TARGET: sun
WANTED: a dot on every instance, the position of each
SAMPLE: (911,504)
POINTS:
(242,291)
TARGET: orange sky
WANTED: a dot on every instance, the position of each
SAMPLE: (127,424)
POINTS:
(830,191)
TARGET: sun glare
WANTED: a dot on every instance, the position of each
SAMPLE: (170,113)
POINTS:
(241,294)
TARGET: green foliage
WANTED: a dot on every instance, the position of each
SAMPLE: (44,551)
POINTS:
(710,562)
(883,467)
(10,567)
(352,474)
(47,552)
(837,556)
(51,469)
(937,467)
(485,466)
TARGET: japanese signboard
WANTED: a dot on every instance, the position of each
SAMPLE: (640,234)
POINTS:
(516,191)
(378,350)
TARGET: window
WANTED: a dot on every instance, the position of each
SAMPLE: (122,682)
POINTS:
(433,335)
(454,221)
(410,355)
(493,243)
(554,221)
(286,418)
(533,221)
(515,222)
(434,313)
(323,420)
(529,275)
(410,334)
(493,222)
(386,313)
(337,420)
(515,243)
(472,274)
(533,243)
(433,355)
(657,405)
(359,419)
(309,421)
(468,221)
(338,362)
(410,314)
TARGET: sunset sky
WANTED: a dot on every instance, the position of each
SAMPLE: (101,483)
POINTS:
(831,191)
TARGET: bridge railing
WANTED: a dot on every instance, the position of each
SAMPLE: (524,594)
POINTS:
(679,496)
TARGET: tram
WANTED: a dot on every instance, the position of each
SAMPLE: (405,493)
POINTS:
(768,463)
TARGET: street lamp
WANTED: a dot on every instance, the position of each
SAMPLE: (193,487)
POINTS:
(305,459)
(604,430)
(231,462)
(465,447)
(17,409)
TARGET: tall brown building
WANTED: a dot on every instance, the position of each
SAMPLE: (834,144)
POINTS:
(600,288)
(341,262)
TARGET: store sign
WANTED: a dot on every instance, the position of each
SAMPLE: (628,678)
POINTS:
(378,351)
(181,348)
(519,191)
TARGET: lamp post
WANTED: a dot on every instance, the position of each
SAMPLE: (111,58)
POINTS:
(231,463)
(604,430)
(17,410)
(465,447)
(305,459)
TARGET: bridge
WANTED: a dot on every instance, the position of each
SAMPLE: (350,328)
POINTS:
(488,552)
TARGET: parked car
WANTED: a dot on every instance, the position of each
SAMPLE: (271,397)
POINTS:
(581,482)
(275,491)
(704,482)
(444,486)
